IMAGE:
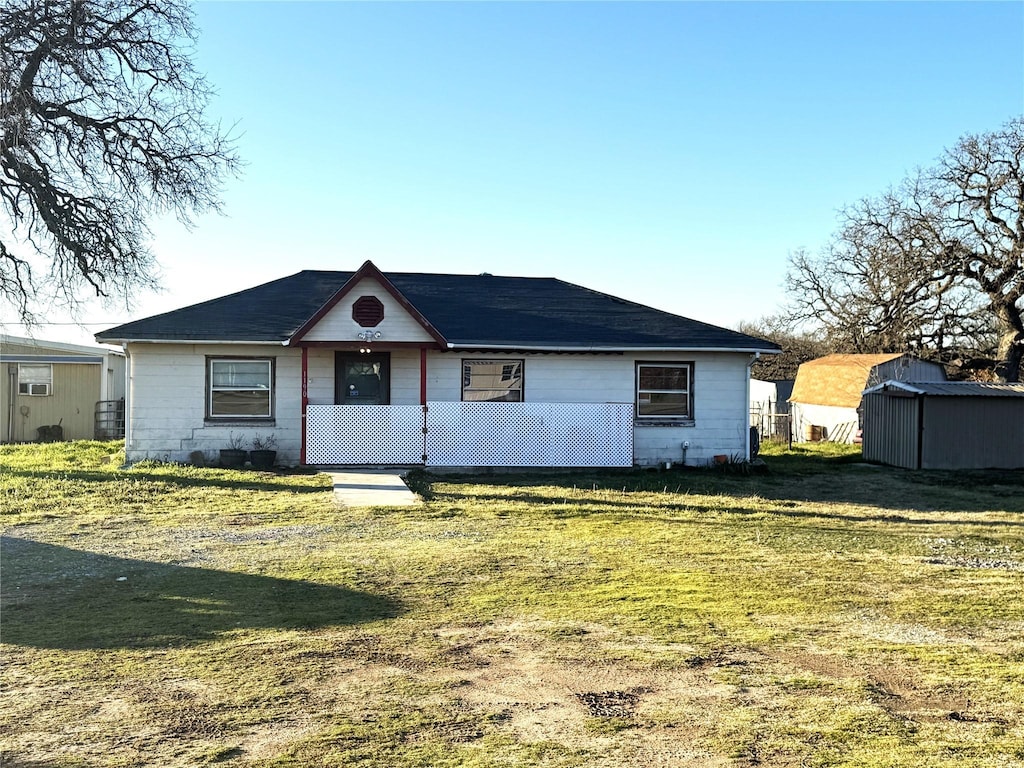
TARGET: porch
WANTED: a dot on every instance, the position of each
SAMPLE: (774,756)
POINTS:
(471,434)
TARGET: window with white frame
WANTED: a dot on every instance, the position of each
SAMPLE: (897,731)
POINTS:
(664,391)
(240,388)
(35,379)
(492,380)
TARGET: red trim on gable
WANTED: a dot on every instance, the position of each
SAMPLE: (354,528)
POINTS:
(369,269)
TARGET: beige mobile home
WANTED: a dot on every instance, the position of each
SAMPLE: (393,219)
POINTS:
(52,390)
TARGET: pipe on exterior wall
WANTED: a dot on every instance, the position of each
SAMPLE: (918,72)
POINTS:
(746,406)
(129,400)
(12,388)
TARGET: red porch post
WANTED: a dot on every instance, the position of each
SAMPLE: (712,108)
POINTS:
(423,397)
(423,375)
(305,401)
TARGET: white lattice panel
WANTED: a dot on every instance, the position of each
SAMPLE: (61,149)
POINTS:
(469,434)
(364,434)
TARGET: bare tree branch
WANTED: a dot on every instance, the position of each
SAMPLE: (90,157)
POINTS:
(934,266)
(102,127)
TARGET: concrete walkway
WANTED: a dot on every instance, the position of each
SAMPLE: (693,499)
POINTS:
(372,488)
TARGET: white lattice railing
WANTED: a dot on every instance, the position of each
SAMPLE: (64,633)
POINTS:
(473,434)
(364,434)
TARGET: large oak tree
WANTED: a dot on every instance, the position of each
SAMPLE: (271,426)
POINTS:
(102,127)
(935,265)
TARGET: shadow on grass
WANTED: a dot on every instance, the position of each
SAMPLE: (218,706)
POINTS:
(602,505)
(895,493)
(55,597)
(255,482)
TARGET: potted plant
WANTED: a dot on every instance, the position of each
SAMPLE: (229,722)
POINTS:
(234,455)
(263,454)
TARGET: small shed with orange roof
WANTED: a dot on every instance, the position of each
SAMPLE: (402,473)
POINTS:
(827,393)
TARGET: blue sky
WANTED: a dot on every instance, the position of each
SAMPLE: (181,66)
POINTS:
(672,153)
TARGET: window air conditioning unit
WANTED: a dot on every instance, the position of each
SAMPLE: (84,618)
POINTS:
(29,388)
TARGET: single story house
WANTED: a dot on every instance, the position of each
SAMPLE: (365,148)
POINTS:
(54,390)
(945,425)
(397,369)
(827,392)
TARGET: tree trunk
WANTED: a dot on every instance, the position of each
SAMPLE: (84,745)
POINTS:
(1011,343)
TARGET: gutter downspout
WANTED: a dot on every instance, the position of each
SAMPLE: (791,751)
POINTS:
(746,406)
(129,399)
(12,388)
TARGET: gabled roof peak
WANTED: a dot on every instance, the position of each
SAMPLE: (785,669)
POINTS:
(367,270)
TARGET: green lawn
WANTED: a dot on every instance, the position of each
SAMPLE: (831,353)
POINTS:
(824,612)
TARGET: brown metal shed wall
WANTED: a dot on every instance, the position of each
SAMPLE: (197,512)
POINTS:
(973,433)
(891,430)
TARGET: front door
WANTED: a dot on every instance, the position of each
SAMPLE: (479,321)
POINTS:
(362,379)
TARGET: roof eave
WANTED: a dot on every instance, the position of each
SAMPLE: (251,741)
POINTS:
(890,385)
(529,347)
(247,342)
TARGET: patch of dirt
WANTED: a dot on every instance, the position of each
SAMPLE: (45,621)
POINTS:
(506,671)
(612,703)
(270,740)
(893,687)
(823,664)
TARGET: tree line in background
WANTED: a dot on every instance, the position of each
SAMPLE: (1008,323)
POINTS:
(933,267)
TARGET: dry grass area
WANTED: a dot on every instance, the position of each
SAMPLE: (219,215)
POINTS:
(824,613)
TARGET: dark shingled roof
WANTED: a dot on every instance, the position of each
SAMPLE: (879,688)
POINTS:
(467,310)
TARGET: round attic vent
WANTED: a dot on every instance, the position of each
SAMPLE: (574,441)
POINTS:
(368,311)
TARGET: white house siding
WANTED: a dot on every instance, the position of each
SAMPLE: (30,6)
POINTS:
(405,376)
(720,409)
(720,396)
(168,390)
(397,325)
(167,402)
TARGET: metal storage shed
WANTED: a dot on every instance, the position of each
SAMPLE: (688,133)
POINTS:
(945,425)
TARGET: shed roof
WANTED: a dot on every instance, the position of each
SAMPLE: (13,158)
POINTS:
(951,388)
(468,311)
(837,380)
(22,345)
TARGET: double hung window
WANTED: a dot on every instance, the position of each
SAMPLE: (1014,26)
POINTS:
(240,388)
(664,391)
